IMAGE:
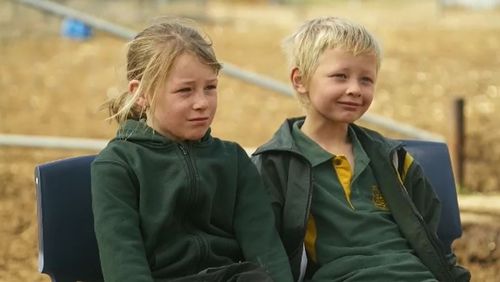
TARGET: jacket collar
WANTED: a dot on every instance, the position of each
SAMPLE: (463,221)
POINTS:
(282,140)
(137,131)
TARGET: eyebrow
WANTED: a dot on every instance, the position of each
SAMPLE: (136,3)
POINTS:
(190,80)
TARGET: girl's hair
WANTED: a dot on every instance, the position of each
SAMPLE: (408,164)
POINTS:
(150,57)
(304,46)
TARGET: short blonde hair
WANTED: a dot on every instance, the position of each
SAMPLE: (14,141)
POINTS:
(312,38)
(150,57)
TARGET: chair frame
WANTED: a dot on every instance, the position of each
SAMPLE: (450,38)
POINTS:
(67,248)
(67,244)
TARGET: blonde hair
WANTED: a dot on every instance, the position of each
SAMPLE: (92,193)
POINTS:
(150,56)
(312,38)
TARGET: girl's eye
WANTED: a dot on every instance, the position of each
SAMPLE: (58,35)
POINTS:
(183,90)
(211,87)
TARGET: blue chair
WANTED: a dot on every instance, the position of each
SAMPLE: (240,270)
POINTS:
(67,244)
(434,158)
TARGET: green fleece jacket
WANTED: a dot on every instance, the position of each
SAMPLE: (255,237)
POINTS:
(165,209)
(413,203)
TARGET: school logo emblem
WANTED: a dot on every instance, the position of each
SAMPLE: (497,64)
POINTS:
(378,199)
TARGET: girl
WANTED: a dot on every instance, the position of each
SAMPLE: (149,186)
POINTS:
(170,201)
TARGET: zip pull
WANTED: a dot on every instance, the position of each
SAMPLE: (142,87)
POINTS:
(184,151)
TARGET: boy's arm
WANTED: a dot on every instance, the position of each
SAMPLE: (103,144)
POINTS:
(427,203)
(421,192)
(254,223)
(116,219)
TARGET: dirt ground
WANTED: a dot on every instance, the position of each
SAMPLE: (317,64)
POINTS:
(53,86)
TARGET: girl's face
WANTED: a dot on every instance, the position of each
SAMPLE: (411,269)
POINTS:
(186,105)
(341,89)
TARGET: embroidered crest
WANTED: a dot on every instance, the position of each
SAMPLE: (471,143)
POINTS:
(378,198)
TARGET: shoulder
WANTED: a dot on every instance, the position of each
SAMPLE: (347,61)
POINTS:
(229,150)
(116,152)
(282,141)
(369,136)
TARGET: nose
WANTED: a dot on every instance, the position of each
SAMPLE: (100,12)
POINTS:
(200,101)
(354,88)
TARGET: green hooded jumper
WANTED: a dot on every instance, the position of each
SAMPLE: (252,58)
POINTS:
(165,209)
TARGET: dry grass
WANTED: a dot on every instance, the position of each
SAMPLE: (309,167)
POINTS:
(53,86)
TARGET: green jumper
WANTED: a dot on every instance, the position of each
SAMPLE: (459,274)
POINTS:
(165,209)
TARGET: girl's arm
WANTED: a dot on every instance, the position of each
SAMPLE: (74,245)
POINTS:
(254,223)
(116,220)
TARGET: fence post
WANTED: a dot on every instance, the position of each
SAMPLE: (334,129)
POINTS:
(458,140)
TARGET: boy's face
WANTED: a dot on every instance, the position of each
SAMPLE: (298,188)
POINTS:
(342,87)
(187,104)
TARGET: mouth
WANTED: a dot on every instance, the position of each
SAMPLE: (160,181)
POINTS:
(350,104)
(198,120)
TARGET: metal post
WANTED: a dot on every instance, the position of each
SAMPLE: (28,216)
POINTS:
(458,145)
(228,69)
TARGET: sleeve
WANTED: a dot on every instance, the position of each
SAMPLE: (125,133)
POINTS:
(427,203)
(254,223)
(274,187)
(116,220)
(421,192)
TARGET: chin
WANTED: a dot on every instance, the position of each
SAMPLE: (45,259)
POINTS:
(195,136)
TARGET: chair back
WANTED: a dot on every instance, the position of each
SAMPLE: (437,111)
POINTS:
(67,243)
(434,158)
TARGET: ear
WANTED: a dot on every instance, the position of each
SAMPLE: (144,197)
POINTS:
(133,85)
(298,81)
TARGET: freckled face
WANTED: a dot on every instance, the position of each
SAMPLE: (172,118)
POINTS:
(187,104)
(342,87)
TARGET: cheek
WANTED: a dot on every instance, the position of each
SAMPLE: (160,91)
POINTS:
(368,97)
(213,103)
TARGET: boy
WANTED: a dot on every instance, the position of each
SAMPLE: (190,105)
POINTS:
(343,211)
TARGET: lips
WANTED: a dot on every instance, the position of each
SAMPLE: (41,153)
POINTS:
(350,104)
(198,119)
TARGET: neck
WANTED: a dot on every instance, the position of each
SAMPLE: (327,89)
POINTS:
(330,136)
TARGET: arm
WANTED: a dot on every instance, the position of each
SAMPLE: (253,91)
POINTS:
(421,192)
(276,183)
(427,203)
(254,223)
(115,206)
(274,187)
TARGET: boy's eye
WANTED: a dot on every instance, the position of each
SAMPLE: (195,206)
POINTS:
(339,76)
(367,80)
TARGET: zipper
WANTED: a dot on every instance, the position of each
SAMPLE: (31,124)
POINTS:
(437,247)
(191,174)
(432,238)
(192,198)
(309,198)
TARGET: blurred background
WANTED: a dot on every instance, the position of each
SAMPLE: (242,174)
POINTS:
(440,79)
